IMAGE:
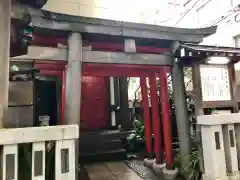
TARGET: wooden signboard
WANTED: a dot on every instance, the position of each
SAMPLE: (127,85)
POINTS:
(215,83)
(214,87)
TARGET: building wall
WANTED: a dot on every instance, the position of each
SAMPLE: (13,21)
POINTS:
(221,13)
(141,11)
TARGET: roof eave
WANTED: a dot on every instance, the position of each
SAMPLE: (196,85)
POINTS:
(55,21)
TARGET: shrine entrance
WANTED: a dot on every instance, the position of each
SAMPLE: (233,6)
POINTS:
(98,112)
(107,48)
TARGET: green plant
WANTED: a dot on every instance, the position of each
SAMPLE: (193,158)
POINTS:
(191,168)
(136,138)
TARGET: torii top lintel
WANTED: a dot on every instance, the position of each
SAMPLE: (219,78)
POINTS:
(60,22)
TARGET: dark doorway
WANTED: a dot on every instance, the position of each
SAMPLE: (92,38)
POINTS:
(46,93)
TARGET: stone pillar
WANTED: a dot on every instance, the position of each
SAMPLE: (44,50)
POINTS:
(73,79)
(5,14)
(73,83)
(213,152)
(219,145)
(183,124)
(229,142)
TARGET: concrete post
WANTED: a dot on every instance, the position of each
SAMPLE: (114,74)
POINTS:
(229,141)
(237,133)
(213,152)
(5,14)
(73,83)
(183,124)
(219,145)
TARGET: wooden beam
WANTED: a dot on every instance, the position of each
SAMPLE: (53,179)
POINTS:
(126,58)
(53,41)
(96,69)
(60,54)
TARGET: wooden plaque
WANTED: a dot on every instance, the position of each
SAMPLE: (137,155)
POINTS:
(215,83)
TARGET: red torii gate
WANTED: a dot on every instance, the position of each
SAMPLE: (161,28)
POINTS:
(84,31)
(53,68)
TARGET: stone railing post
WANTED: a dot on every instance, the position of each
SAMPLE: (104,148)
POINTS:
(219,143)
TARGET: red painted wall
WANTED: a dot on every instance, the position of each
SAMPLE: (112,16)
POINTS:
(95,112)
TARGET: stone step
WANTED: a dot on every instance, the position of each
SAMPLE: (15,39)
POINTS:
(114,155)
(102,146)
(103,135)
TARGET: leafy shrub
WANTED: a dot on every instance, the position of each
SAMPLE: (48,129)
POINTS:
(136,139)
(191,168)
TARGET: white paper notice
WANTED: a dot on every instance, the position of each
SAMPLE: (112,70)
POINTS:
(215,83)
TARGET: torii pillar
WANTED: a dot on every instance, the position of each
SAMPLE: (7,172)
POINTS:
(5,23)
(73,84)
(183,124)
